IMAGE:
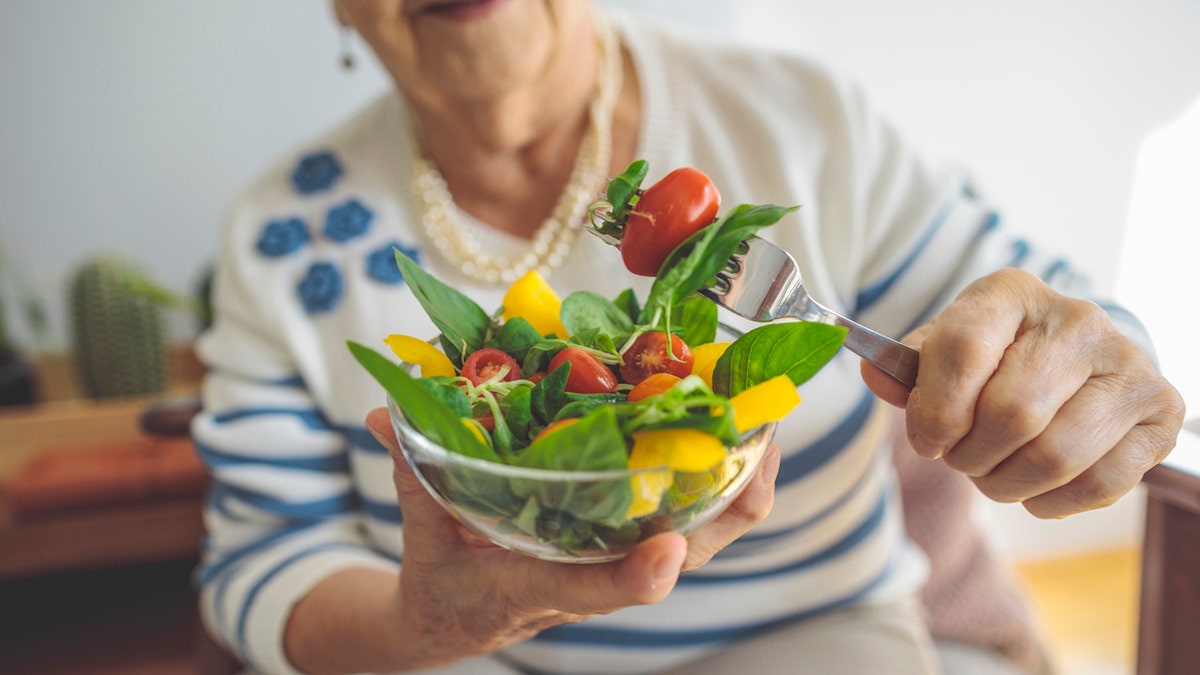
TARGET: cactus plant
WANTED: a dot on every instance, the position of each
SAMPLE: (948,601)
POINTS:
(119,334)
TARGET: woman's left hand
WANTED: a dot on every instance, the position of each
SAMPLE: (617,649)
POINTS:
(1037,396)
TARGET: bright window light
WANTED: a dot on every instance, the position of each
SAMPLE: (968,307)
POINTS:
(1159,278)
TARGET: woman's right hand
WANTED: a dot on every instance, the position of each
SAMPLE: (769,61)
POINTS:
(460,595)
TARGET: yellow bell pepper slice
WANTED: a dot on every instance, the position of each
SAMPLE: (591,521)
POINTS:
(704,359)
(419,352)
(648,491)
(679,449)
(476,430)
(768,401)
(532,299)
(685,450)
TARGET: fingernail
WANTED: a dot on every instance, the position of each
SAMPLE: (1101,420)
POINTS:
(384,438)
(926,448)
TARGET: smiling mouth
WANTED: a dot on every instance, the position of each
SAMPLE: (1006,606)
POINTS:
(461,10)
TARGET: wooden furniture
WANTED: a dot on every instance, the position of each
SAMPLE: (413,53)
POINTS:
(1169,622)
(87,537)
(102,587)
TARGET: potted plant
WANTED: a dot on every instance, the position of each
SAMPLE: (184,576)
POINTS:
(18,379)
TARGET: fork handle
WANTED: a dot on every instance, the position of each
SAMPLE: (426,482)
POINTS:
(892,357)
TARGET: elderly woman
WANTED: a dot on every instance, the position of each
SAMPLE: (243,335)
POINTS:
(506,119)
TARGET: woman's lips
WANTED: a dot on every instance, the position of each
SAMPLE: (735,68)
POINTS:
(461,10)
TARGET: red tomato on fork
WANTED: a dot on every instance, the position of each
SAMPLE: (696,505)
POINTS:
(668,212)
(648,356)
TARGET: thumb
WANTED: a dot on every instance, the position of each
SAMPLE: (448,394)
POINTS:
(645,576)
(886,387)
(410,491)
(379,423)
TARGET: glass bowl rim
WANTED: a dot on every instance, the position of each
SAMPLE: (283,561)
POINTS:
(439,453)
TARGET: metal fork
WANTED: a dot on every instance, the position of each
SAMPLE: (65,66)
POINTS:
(762,282)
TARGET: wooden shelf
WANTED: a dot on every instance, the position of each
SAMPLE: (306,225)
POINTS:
(82,539)
(167,528)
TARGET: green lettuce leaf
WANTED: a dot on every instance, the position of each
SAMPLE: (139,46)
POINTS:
(797,349)
(463,324)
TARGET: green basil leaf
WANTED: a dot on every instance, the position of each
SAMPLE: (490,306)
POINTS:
(623,190)
(503,439)
(695,320)
(594,443)
(694,263)
(580,407)
(628,302)
(797,349)
(515,338)
(519,412)
(425,412)
(550,395)
(721,426)
(463,324)
(447,391)
(588,311)
(608,344)
(528,518)
(539,355)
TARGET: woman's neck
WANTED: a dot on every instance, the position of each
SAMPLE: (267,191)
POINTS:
(506,164)
(506,159)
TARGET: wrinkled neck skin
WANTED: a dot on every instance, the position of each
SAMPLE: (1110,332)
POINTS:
(500,98)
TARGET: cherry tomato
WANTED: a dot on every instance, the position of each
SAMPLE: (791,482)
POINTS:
(555,426)
(483,364)
(588,375)
(653,385)
(671,210)
(488,421)
(648,355)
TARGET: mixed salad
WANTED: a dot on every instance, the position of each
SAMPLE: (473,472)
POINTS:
(595,383)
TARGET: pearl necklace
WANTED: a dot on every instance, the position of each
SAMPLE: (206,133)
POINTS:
(553,239)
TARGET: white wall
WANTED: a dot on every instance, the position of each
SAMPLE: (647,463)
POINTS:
(1046,101)
(129,125)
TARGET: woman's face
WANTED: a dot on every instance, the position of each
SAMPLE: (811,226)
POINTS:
(437,50)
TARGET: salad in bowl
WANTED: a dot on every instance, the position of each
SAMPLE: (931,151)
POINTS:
(572,428)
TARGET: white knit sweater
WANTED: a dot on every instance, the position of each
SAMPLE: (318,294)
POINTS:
(302,490)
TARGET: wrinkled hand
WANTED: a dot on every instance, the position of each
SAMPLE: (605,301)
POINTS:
(1036,396)
(469,596)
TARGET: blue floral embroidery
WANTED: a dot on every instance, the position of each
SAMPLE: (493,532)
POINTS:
(281,237)
(347,221)
(321,289)
(381,263)
(316,172)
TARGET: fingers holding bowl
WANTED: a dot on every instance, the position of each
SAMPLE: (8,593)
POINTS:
(750,508)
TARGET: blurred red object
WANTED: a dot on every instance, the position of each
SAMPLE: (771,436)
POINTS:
(63,478)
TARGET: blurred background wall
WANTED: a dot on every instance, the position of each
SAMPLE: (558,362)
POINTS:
(128,126)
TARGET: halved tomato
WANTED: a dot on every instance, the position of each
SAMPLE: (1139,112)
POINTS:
(648,355)
(483,364)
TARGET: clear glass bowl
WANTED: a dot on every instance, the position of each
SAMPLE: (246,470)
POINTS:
(572,516)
